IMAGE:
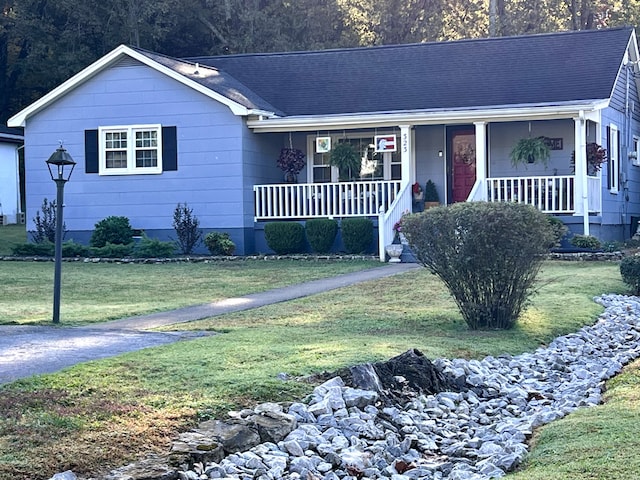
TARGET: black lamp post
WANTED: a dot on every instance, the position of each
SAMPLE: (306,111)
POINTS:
(60,166)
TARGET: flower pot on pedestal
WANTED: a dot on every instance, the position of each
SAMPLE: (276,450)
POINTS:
(394,251)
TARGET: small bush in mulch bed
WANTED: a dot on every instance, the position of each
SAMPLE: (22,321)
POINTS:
(114,230)
(219,243)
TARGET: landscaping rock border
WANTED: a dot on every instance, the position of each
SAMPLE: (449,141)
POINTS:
(477,433)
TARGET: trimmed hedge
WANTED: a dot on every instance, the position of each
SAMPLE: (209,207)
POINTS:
(357,234)
(285,237)
(153,248)
(321,233)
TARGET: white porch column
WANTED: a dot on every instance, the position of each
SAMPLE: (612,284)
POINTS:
(581,199)
(481,157)
(406,148)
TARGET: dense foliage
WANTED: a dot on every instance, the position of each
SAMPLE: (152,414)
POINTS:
(585,241)
(630,271)
(487,254)
(44,43)
(357,234)
(321,233)
(285,237)
(219,243)
(114,230)
(153,248)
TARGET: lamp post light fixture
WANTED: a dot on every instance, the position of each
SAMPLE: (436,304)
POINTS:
(60,165)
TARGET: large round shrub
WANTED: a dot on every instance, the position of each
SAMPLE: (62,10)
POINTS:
(115,230)
(321,233)
(284,237)
(357,234)
(487,254)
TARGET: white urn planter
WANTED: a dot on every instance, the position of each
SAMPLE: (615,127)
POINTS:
(394,251)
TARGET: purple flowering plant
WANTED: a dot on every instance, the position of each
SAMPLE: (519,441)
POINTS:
(291,160)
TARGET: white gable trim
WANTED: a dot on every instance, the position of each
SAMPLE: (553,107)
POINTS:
(19,120)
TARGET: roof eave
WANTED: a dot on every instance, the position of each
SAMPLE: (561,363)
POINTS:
(19,119)
(389,119)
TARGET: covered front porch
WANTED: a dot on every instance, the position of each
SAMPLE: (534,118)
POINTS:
(428,149)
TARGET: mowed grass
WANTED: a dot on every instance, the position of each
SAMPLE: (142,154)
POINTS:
(10,236)
(96,292)
(103,414)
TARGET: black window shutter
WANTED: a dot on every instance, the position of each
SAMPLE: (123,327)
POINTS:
(609,169)
(169,149)
(91,151)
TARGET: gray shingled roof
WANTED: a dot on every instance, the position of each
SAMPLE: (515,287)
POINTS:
(11,134)
(219,81)
(547,69)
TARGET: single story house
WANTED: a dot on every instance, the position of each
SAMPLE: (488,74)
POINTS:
(150,131)
(10,145)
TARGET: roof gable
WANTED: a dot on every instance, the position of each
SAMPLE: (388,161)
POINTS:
(217,85)
(544,69)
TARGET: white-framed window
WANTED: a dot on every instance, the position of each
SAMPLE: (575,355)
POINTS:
(374,165)
(633,154)
(613,152)
(130,150)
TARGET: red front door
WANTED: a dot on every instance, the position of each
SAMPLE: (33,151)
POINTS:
(462,148)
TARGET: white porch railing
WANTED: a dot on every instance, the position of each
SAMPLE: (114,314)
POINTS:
(549,194)
(553,194)
(317,200)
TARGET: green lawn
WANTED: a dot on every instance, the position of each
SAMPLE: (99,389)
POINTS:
(11,235)
(96,292)
(102,414)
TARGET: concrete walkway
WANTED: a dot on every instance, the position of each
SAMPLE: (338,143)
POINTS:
(31,350)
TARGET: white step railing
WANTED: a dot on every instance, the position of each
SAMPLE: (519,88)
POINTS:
(322,200)
(386,221)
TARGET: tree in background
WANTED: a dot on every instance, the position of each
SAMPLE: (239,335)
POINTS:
(44,42)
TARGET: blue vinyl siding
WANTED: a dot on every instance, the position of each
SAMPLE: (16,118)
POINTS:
(210,150)
(618,209)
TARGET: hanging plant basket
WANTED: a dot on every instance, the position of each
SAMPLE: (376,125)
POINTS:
(530,150)
(346,158)
(291,161)
(596,156)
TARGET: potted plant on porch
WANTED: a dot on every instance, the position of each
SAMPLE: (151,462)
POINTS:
(431,197)
(530,150)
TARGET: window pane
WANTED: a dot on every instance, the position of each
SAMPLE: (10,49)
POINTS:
(322,174)
(146,158)
(116,159)
(147,139)
(116,140)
